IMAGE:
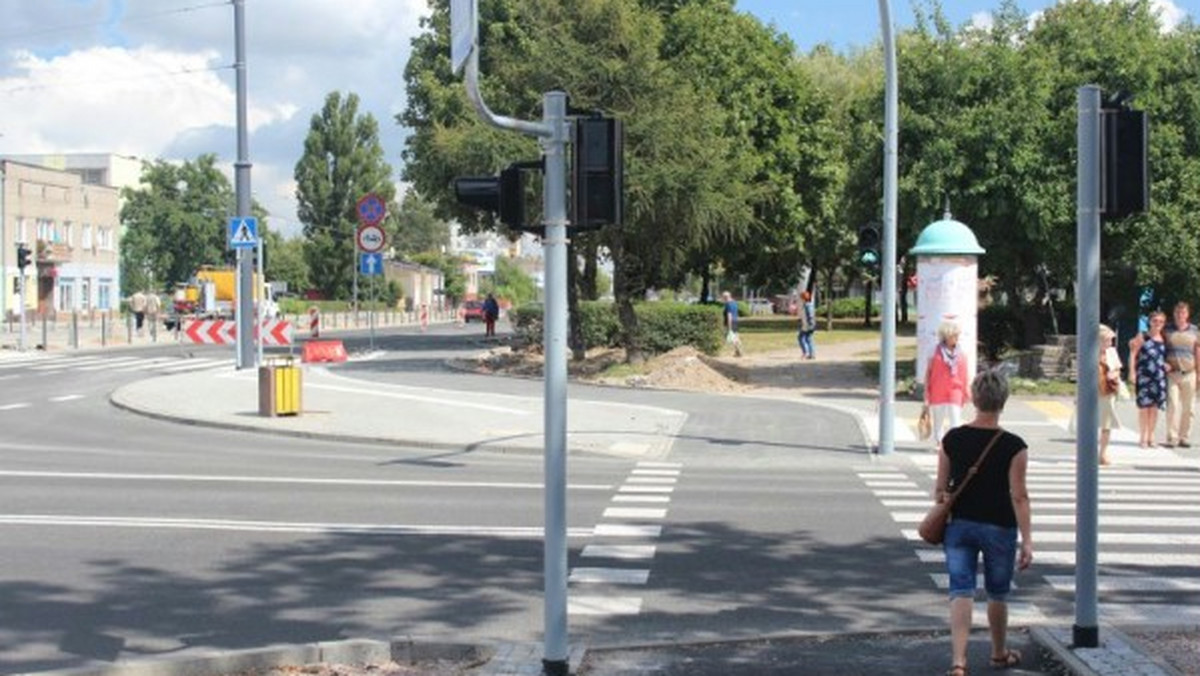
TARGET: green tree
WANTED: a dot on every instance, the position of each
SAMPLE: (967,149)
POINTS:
(418,229)
(286,262)
(342,161)
(175,222)
(685,181)
(510,282)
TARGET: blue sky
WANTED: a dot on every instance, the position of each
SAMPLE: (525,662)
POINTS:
(847,23)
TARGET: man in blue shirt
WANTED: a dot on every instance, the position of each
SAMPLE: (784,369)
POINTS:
(731,323)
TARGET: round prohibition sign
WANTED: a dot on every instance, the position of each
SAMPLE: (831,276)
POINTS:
(370,238)
(371,209)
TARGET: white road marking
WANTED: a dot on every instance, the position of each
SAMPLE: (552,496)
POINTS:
(1107,558)
(619,551)
(655,472)
(1062,537)
(279,526)
(1044,506)
(66,397)
(880,483)
(897,493)
(942,580)
(626,531)
(1069,520)
(609,576)
(660,465)
(66,362)
(1113,583)
(13,407)
(291,480)
(634,513)
(650,480)
(109,363)
(648,498)
(456,403)
(646,489)
(148,363)
(1162,614)
(197,365)
(864,474)
(603,605)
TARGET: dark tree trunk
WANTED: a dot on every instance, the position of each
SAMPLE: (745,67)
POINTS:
(574,319)
(625,290)
(705,284)
(867,303)
(588,290)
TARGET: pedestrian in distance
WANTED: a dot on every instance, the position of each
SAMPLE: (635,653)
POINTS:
(137,304)
(946,386)
(808,325)
(1183,352)
(153,308)
(985,520)
(1110,388)
(730,315)
(491,312)
(1148,376)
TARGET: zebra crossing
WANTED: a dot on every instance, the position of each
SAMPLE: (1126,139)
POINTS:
(42,364)
(1148,549)
(624,545)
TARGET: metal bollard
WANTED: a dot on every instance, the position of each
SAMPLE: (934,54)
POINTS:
(103,330)
(129,329)
(45,333)
(154,330)
(74,330)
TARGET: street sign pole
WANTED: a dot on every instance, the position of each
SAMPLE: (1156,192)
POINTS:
(260,290)
(245,269)
(371,313)
(887,348)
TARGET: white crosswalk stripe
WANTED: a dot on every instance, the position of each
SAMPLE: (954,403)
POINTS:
(45,365)
(1148,547)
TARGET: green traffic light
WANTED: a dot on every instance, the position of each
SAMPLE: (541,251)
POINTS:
(869,258)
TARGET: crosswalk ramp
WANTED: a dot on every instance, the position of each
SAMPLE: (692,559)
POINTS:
(42,364)
(1148,547)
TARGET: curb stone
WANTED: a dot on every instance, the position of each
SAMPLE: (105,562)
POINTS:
(352,651)
(1118,655)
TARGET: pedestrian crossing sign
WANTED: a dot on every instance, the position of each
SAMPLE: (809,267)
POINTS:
(243,232)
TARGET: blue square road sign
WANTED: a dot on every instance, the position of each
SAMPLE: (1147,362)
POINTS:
(370,264)
(243,232)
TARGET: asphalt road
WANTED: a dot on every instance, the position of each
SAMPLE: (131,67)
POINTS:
(125,537)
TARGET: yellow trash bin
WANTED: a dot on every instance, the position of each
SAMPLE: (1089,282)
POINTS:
(279,387)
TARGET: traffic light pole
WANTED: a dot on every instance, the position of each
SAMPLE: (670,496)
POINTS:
(245,263)
(887,352)
(553,133)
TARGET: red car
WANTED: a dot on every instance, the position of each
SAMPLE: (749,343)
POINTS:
(473,310)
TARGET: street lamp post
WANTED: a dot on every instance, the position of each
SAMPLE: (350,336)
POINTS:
(887,357)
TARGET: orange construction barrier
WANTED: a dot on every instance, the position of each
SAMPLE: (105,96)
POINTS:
(323,351)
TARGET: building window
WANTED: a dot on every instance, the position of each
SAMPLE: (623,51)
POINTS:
(45,230)
(68,230)
(85,294)
(66,294)
(104,294)
(21,230)
(85,236)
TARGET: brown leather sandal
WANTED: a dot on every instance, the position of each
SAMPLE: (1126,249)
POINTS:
(957,670)
(1008,660)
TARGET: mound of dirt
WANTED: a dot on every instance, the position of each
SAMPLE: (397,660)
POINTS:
(683,368)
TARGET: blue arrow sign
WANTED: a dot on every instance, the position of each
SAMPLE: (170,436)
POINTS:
(370,264)
(243,232)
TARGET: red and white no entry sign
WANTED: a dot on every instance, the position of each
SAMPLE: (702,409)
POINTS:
(370,238)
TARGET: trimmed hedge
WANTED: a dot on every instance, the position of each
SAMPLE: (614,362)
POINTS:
(662,326)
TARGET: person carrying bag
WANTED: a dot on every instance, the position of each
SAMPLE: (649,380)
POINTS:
(933,526)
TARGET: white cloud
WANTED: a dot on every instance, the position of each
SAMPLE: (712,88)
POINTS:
(157,81)
(1169,14)
(984,21)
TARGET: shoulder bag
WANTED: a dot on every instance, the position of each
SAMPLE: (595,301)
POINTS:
(933,526)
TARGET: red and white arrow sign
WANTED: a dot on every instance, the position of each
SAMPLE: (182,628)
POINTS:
(224,331)
(276,332)
(211,331)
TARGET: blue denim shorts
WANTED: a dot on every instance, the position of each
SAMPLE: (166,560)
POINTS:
(965,541)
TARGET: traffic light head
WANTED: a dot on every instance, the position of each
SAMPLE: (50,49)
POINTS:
(598,185)
(503,194)
(1124,166)
(868,246)
(23,256)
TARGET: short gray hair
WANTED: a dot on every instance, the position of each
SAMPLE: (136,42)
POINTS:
(947,329)
(989,391)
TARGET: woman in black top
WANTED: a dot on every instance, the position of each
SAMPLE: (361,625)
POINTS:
(985,519)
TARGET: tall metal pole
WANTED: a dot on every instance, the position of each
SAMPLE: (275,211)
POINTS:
(260,291)
(1086,632)
(887,350)
(553,133)
(554,245)
(245,264)
(3,246)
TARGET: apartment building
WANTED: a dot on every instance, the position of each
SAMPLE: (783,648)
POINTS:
(73,229)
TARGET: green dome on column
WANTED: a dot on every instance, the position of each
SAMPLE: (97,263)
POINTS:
(946,237)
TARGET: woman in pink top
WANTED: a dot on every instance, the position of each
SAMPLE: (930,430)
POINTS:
(946,386)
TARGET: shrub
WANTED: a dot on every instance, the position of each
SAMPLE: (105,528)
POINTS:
(851,307)
(999,328)
(662,326)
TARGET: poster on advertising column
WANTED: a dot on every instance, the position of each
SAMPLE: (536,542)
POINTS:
(947,290)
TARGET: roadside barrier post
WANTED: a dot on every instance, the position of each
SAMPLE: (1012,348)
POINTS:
(129,329)
(103,330)
(314,322)
(75,329)
(45,332)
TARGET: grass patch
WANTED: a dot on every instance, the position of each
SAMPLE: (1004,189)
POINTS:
(624,370)
(773,333)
